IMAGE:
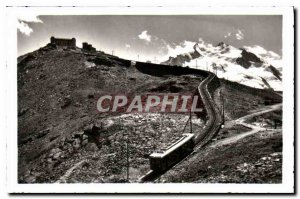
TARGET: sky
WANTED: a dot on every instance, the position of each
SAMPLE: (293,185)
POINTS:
(150,38)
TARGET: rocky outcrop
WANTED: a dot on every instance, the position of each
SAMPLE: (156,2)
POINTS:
(179,60)
(275,72)
(243,62)
(247,58)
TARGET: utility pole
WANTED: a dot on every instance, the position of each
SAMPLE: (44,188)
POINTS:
(223,112)
(127,158)
(127,151)
(191,120)
(223,109)
(161,124)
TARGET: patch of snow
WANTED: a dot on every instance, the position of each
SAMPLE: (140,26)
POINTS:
(89,64)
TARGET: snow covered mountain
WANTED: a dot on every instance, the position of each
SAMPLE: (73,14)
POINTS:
(251,66)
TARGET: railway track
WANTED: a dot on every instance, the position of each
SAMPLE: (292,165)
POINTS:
(214,121)
(211,128)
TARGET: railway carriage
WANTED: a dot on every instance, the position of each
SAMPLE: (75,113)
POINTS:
(162,161)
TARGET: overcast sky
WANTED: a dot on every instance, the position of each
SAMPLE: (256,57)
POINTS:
(150,36)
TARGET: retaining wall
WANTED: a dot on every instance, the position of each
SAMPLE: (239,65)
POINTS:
(162,70)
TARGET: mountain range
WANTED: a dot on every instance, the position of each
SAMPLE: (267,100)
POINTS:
(251,66)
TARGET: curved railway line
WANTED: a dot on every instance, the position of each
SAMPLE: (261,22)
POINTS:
(213,124)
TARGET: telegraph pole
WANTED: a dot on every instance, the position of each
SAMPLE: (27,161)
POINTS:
(127,158)
(223,112)
(191,120)
(127,151)
(162,123)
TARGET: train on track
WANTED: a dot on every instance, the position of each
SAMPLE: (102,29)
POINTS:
(162,161)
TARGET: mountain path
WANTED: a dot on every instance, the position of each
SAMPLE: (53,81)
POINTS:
(63,179)
(241,120)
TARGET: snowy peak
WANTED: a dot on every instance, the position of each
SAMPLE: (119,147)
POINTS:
(251,66)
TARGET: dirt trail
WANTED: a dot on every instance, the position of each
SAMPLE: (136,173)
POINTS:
(64,178)
(241,121)
(269,109)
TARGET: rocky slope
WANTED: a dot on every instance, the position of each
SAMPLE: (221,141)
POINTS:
(63,138)
(59,125)
(254,159)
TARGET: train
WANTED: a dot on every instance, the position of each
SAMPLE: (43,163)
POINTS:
(162,161)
